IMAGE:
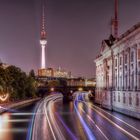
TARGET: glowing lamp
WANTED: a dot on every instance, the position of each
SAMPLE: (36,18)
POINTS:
(4,97)
(80,89)
(52,89)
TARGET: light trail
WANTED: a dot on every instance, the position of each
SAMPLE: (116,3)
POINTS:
(66,127)
(114,117)
(54,127)
(118,119)
(30,129)
(114,124)
(93,122)
(85,126)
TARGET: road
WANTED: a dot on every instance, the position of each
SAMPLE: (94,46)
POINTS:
(14,124)
(80,120)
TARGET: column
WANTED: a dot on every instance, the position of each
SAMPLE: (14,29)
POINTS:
(128,68)
(135,67)
(122,70)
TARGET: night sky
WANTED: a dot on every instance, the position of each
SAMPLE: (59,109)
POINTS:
(75,30)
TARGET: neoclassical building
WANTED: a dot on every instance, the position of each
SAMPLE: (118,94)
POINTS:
(118,73)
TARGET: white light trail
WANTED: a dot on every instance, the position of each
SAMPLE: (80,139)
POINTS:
(114,124)
(85,126)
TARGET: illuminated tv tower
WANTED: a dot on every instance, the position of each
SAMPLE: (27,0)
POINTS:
(43,39)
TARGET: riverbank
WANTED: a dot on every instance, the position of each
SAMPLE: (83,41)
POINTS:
(4,108)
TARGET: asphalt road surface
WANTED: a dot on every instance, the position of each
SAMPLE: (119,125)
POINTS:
(80,120)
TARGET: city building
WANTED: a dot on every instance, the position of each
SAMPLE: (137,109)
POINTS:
(54,73)
(118,73)
(81,82)
(78,82)
(90,82)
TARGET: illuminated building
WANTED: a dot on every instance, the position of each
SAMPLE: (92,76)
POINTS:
(54,73)
(90,82)
(118,73)
(80,82)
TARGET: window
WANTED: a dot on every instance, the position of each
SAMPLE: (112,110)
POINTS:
(116,81)
(132,76)
(132,66)
(138,54)
(114,97)
(130,99)
(125,59)
(120,60)
(124,98)
(126,82)
(115,62)
(118,97)
(137,99)
(125,68)
(132,56)
(120,81)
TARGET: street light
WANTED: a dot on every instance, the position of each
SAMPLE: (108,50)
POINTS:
(80,89)
(4,97)
(52,89)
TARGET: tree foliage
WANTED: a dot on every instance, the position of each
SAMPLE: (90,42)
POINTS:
(17,83)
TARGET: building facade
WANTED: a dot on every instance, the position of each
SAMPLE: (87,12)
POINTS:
(118,73)
(54,73)
(81,82)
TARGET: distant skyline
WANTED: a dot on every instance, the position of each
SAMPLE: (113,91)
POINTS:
(75,30)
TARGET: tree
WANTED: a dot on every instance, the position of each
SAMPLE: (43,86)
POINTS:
(32,74)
